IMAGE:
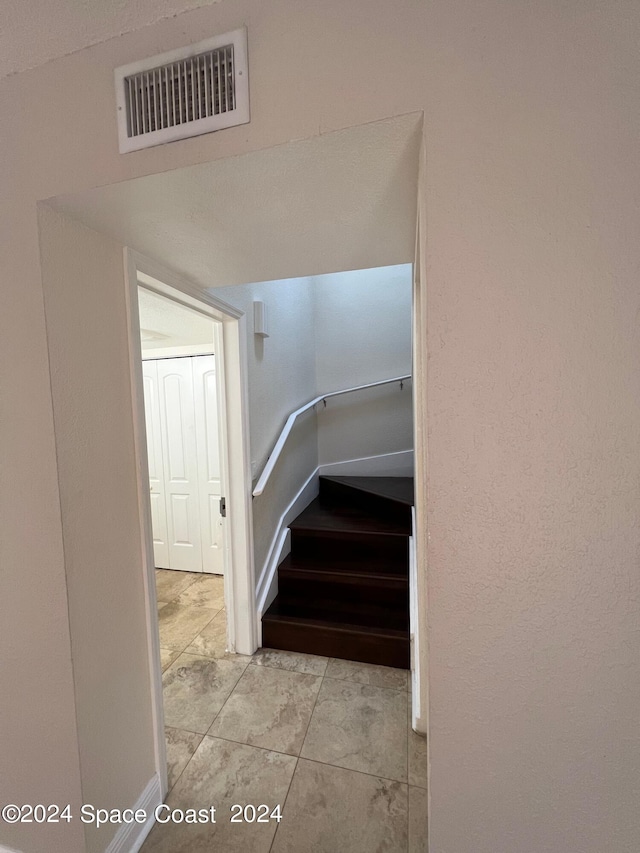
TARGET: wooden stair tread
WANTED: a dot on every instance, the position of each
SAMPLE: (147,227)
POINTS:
(399,489)
(349,613)
(345,520)
(380,645)
(364,570)
(274,614)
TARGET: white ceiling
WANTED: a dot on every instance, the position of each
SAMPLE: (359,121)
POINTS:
(340,201)
(164,323)
(37,31)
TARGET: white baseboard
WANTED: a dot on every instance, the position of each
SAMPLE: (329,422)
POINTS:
(7,849)
(267,586)
(398,464)
(131,836)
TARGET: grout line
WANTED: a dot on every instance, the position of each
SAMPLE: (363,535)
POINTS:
(194,638)
(284,652)
(361,772)
(229,657)
(171,600)
(404,688)
(365,684)
(231,692)
(180,775)
(251,745)
(328,764)
(188,731)
(289,755)
(206,657)
(252,662)
(311,715)
(284,803)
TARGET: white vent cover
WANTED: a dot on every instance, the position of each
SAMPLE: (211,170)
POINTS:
(183,93)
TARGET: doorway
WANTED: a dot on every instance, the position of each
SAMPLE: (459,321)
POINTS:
(202,221)
(187,485)
(192,465)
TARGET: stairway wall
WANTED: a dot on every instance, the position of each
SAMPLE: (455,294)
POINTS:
(325,333)
(363,334)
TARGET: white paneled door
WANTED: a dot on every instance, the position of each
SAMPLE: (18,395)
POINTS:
(182,434)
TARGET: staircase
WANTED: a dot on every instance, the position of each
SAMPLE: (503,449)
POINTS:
(343,591)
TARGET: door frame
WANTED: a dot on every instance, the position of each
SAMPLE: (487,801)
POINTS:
(418,589)
(230,348)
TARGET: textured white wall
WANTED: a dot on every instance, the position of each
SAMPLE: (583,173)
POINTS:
(534,428)
(84,285)
(46,29)
(532,120)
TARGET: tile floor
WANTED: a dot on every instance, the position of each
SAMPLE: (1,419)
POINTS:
(328,740)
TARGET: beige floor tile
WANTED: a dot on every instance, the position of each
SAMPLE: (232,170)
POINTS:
(180,747)
(367,673)
(211,642)
(417,820)
(195,689)
(222,773)
(179,624)
(170,583)
(167,657)
(417,760)
(292,661)
(270,708)
(206,591)
(331,810)
(360,728)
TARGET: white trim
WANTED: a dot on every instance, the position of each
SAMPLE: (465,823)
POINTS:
(190,295)
(418,724)
(4,849)
(400,463)
(144,516)
(280,548)
(131,836)
(420,367)
(242,625)
(177,352)
(279,446)
(242,621)
(268,576)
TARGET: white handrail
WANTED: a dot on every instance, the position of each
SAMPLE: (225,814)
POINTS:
(277,450)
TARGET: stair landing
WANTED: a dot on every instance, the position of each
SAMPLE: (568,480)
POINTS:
(398,489)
